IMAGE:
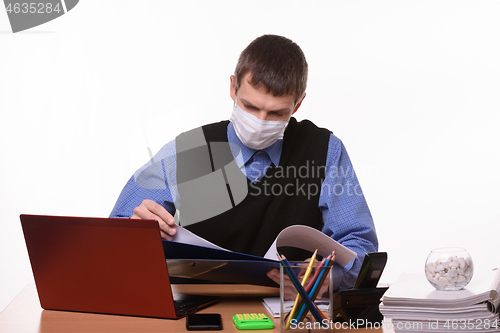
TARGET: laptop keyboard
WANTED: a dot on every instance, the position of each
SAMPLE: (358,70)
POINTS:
(182,308)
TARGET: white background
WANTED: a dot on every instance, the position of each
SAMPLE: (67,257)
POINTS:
(411,87)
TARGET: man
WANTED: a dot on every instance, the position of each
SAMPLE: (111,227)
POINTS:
(296,173)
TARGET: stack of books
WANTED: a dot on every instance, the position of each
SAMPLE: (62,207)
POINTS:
(413,305)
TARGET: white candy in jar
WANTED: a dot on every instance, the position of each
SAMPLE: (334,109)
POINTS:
(449,272)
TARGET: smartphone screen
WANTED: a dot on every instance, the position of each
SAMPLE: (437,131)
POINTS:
(203,321)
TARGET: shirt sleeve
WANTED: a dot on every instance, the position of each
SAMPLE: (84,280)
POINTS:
(154,181)
(346,216)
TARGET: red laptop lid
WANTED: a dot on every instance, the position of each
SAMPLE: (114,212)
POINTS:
(102,265)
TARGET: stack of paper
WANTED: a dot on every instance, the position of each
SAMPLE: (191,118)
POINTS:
(414,305)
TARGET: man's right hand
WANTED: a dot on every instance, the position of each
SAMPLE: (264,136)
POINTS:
(150,210)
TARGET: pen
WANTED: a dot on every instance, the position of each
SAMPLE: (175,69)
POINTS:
(304,279)
(300,289)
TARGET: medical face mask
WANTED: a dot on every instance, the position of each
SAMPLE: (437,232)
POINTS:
(256,133)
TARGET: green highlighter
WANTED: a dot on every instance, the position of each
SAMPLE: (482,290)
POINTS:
(252,321)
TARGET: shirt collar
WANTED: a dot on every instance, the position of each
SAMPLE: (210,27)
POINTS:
(274,150)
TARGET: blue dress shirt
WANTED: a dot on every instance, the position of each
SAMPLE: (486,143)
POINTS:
(345,212)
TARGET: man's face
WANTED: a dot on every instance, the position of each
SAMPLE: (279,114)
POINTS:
(261,104)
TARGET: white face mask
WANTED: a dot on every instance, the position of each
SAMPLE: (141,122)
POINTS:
(254,132)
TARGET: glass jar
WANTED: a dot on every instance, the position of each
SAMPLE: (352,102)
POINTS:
(449,268)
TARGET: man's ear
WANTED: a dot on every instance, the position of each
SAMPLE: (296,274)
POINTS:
(298,104)
(232,87)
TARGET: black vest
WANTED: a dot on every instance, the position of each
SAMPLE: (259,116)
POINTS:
(287,194)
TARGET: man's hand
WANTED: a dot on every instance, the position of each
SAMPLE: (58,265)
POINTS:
(150,210)
(290,291)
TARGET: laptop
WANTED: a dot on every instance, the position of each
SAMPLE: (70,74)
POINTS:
(103,265)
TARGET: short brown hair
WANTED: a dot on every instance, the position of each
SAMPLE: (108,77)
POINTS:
(275,63)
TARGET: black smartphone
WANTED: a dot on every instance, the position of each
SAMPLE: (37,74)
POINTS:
(203,321)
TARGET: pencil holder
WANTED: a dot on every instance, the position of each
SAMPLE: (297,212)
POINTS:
(314,312)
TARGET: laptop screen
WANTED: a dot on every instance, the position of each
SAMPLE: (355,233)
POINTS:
(102,265)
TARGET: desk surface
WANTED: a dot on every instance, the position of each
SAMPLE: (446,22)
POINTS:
(24,315)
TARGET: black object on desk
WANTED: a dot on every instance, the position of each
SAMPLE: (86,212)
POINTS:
(203,321)
(360,304)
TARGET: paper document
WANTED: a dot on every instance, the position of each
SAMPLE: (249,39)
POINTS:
(299,236)
(310,239)
(273,305)
(187,237)
(192,257)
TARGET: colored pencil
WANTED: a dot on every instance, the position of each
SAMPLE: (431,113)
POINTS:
(304,279)
(313,279)
(305,297)
(317,285)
